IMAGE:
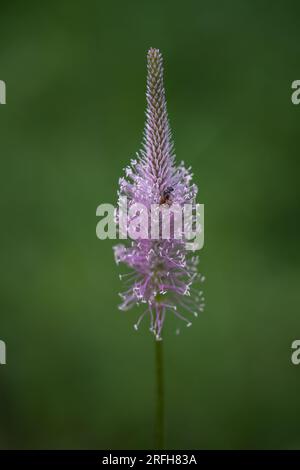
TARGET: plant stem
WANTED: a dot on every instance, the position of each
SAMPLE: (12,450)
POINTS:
(159,395)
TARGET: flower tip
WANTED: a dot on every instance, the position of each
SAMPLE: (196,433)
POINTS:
(153,49)
(153,52)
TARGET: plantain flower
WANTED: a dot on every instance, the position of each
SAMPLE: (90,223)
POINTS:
(163,273)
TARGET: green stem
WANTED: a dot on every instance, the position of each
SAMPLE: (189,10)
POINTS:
(159,395)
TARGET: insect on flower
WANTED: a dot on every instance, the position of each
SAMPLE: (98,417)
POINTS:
(166,196)
(163,274)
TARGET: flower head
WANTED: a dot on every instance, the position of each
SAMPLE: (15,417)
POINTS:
(163,273)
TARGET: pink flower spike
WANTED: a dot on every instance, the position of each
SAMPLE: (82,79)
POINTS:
(163,271)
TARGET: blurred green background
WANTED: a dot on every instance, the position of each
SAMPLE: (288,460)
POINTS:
(77,374)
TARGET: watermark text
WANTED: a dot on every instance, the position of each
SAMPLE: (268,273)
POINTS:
(2,92)
(156,222)
(2,352)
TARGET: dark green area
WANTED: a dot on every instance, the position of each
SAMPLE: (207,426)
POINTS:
(78,375)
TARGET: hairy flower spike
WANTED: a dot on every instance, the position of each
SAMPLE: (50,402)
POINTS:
(157,136)
(164,273)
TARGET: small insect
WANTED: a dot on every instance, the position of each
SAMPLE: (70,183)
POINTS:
(165,198)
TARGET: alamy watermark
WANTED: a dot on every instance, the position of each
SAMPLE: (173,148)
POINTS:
(2,92)
(295,357)
(2,352)
(296,94)
(155,222)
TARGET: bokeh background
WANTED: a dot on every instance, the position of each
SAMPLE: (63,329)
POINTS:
(77,374)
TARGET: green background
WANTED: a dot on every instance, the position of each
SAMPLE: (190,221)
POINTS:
(77,374)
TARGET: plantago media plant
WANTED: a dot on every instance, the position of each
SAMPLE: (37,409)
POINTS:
(157,208)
